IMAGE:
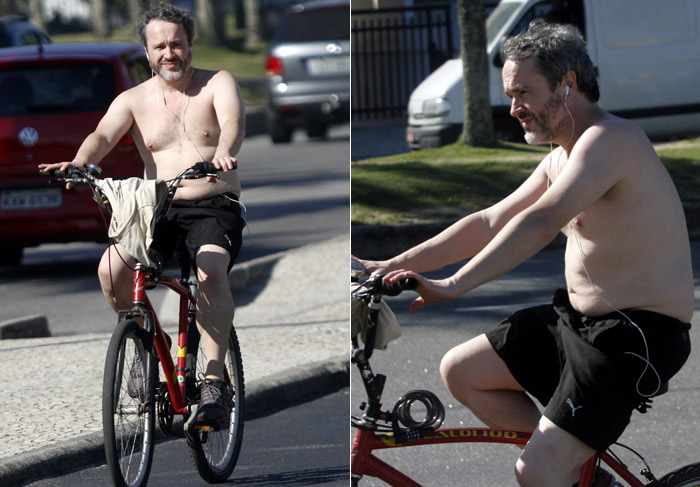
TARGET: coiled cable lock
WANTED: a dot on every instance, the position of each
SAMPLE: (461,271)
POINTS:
(416,429)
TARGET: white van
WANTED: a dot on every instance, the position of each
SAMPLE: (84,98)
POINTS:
(647,53)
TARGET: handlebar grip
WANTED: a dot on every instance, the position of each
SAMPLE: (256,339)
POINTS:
(205,168)
(395,288)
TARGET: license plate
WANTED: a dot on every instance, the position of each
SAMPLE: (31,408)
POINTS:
(30,199)
(328,65)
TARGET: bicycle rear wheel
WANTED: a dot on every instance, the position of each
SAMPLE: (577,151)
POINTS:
(128,413)
(215,453)
(687,476)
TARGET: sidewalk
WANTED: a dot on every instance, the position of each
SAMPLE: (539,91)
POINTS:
(294,343)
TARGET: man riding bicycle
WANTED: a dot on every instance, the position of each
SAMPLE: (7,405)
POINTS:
(180,116)
(619,331)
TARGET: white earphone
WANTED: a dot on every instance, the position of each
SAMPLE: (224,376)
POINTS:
(567,92)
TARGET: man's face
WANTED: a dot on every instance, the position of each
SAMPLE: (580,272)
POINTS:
(538,109)
(168,49)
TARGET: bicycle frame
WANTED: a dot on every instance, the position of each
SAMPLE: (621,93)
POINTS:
(174,373)
(364,462)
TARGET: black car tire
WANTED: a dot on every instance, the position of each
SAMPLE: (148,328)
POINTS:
(10,255)
(316,129)
(279,131)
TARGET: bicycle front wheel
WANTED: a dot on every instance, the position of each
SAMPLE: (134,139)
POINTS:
(128,413)
(688,476)
(215,453)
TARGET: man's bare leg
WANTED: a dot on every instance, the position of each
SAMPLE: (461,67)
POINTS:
(116,277)
(478,378)
(552,457)
(215,307)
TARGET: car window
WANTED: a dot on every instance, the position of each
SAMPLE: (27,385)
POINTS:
(138,65)
(56,89)
(316,25)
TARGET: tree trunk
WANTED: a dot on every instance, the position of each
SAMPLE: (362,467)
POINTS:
(135,13)
(100,19)
(253,30)
(211,23)
(478,129)
(35,12)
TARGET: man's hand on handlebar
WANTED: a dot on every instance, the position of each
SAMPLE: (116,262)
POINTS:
(430,291)
(224,163)
(59,166)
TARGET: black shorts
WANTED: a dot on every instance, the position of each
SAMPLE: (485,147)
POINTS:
(583,369)
(216,220)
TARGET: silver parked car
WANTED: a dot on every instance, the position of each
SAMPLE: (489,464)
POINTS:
(308,70)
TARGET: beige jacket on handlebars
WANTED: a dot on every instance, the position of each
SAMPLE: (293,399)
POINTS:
(134,203)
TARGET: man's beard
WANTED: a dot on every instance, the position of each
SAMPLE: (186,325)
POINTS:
(173,75)
(544,131)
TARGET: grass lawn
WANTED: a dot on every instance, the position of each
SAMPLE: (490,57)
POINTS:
(445,183)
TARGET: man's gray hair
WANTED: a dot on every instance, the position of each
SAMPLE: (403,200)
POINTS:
(556,49)
(167,13)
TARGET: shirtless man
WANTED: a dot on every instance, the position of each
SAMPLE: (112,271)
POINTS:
(180,116)
(628,271)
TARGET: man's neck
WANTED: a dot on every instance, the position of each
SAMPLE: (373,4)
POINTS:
(582,118)
(178,85)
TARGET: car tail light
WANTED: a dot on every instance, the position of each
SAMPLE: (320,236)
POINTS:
(274,66)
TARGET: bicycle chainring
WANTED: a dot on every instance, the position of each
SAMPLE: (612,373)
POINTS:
(164,406)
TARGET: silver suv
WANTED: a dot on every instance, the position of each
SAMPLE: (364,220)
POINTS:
(308,70)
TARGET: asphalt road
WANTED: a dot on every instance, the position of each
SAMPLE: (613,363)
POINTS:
(297,446)
(666,435)
(295,194)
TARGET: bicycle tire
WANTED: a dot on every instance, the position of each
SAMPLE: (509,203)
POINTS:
(686,476)
(128,412)
(215,453)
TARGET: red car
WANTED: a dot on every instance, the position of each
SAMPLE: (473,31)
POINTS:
(51,97)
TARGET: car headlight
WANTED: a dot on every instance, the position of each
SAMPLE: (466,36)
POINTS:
(436,107)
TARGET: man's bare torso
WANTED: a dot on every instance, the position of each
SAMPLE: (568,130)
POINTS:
(172,130)
(630,247)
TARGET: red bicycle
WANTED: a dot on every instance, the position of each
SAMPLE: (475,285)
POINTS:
(133,396)
(379,429)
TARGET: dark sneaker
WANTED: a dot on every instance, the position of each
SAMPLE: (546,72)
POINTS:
(215,405)
(603,478)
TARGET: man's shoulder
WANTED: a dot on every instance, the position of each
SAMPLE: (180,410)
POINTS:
(616,130)
(136,92)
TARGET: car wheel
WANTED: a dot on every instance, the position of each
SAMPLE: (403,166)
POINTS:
(279,131)
(10,255)
(316,129)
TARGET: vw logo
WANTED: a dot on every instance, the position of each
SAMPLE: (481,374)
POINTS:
(28,136)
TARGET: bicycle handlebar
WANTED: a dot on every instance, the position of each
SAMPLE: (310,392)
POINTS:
(75,174)
(391,289)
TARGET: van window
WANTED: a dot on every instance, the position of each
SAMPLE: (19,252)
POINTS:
(497,19)
(539,10)
(56,89)
(560,12)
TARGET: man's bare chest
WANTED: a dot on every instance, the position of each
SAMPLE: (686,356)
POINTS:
(167,126)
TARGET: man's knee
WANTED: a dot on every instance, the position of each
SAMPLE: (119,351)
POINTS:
(528,474)
(461,364)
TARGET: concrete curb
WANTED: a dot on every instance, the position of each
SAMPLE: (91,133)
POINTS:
(261,395)
(35,326)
